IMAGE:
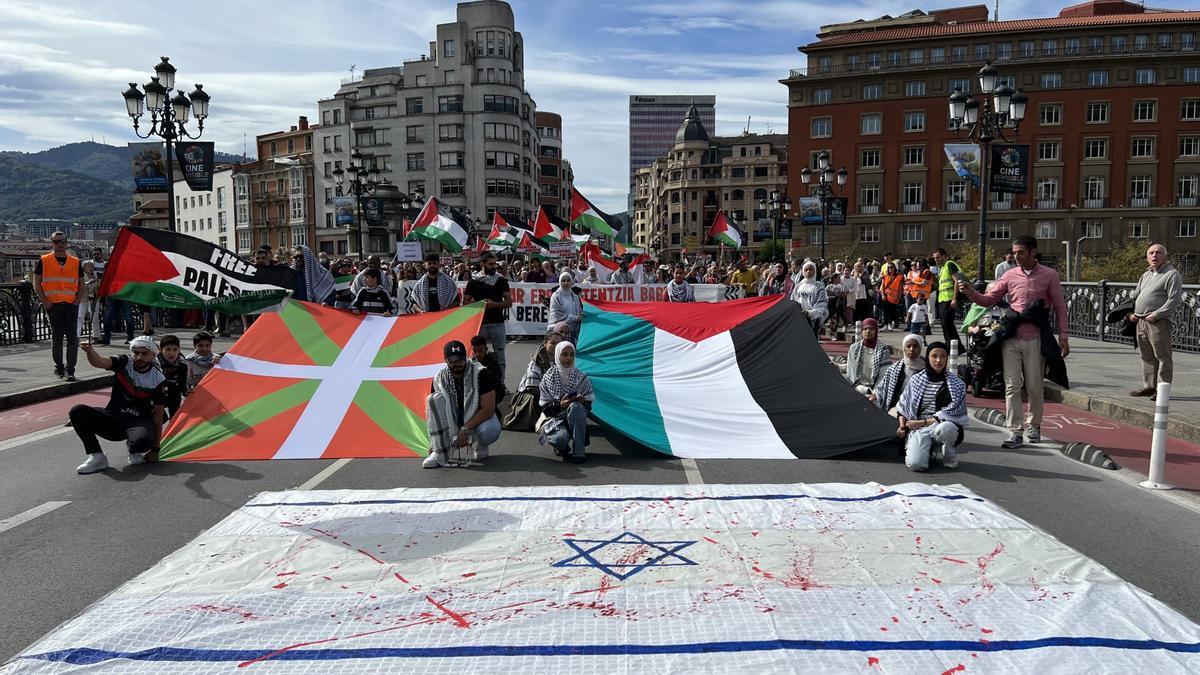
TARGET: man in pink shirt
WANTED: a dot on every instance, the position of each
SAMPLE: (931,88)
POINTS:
(1024,362)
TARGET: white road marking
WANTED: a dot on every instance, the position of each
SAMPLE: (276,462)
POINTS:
(691,471)
(26,516)
(33,436)
(324,473)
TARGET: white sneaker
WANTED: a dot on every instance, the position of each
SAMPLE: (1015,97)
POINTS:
(95,462)
(1033,434)
(950,461)
(136,458)
(479,454)
(434,460)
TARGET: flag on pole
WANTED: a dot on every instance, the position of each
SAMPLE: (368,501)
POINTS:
(723,231)
(481,245)
(439,223)
(606,266)
(342,283)
(158,268)
(314,382)
(622,249)
(408,226)
(501,236)
(584,213)
(546,229)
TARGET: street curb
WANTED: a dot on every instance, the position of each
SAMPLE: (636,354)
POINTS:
(53,391)
(989,416)
(1121,412)
(1089,454)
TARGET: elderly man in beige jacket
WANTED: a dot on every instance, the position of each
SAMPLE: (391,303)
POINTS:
(1158,293)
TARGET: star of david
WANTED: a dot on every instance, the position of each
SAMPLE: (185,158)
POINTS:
(625,555)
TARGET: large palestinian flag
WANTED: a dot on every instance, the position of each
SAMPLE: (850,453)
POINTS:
(585,214)
(312,382)
(548,228)
(606,266)
(724,232)
(740,379)
(158,268)
(440,223)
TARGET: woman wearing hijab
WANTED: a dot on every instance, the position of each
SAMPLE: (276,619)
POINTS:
(526,404)
(566,309)
(810,293)
(867,360)
(933,409)
(887,394)
(566,397)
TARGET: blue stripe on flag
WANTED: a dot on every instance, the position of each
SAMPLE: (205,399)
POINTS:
(88,656)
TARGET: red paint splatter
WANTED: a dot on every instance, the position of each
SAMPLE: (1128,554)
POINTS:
(883,628)
(955,560)
(287,574)
(956,669)
(280,585)
(468,575)
(568,534)
(935,580)
(397,574)
(370,556)
(872,661)
(458,618)
(895,620)
(986,630)
(711,541)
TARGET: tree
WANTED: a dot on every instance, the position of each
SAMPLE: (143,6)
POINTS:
(772,250)
(1124,261)
(966,254)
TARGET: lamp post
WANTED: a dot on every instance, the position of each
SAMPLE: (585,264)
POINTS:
(994,114)
(363,181)
(168,116)
(824,190)
(778,204)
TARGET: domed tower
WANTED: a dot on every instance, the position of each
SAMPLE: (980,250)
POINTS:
(691,132)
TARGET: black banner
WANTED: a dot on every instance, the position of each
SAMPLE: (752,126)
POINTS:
(373,210)
(1010,168)
(837,210)
(196,161)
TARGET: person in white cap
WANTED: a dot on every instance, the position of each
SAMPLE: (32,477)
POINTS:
(135,409)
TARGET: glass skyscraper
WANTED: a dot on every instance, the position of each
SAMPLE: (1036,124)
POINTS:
(653,121)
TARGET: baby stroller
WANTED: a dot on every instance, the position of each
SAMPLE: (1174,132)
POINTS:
(981,372)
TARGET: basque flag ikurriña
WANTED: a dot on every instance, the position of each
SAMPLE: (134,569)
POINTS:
(740,379)
(158,268)
(313,382)
(438,222)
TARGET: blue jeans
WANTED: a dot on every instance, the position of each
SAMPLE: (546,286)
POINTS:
(494,332)
(488,432)
(572,436)
(920,441)
(111,307)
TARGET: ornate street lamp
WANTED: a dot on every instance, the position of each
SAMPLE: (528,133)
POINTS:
(776,206)
(168,116)
(363,181)
(994,114)
(824,189)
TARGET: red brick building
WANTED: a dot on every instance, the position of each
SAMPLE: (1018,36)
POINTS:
(274,195)
(1113,124)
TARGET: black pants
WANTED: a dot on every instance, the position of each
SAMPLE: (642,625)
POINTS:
(862,309)
(64,320)
(90,422)
(949,330)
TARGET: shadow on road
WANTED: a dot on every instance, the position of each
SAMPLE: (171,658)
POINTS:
(197,473)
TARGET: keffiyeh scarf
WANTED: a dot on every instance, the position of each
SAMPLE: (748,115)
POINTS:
(318,281)
(447,291)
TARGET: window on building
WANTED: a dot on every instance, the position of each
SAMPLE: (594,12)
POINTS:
(1118,44)
(1093,229)
(1026,49)
(937,55)
(912,232)
(1049,151)
(737,172)
(1139,228)
(913,194)
(914,88)
(870,159)
(1143,148)
(871,124)
(414,106)
(1097,78)
(824,64)
(822,95)
(868,195)
(955,232)
(1185,228)
(1049,114)
(1187,186)
(1097,112)
(870,92)
(1093,188)
(852,62)
(982,52)
(1001,230)
(1187,42)
(1145,111)
(1190,110)
(874,60)
(956,193)
(914,120)
(243,238)
(1164,41)
(449,104)
(1095,45)
(958,54)
(1051,80)
(414,134)
(916,57)
(1141,43)
(1144,76)
(1071,47)
(497,103)
(914,156)
(1095,148)
(895,57)
(868,234)
(453,187)
(1045,230)
(416,161)
(1191,74)
(448,48)
(1047,191)
(1189,146)
(1139,187)
(822,127)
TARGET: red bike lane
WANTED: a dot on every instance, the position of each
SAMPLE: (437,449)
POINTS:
(45,415)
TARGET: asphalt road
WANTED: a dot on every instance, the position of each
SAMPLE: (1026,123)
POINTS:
(117,523)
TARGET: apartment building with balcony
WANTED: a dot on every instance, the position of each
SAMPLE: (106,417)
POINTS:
(456,123)
(1113,125)
(553,181)
(677,197)
(207,215)
(273,197)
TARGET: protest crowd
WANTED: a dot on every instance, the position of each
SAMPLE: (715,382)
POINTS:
(1008,325)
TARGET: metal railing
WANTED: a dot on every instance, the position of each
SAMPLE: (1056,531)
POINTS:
(1089,303)
(22,318)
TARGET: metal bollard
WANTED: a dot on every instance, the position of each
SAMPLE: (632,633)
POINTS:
(857,332)
(1158,443)
(953,367)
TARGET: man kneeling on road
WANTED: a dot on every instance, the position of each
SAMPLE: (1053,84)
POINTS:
(461,410)
(134,413)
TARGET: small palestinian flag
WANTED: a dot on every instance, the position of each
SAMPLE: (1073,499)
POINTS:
(313,382)
(606,266)
(407,228)
(500,236)
(585,214)
(647,360)
(723,231)
(546,229)
(158,268)
(439,223)
(622,249)
(342,284)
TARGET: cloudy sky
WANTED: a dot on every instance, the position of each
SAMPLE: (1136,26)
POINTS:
(64,63)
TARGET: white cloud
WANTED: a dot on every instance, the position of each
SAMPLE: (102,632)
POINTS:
(38,18)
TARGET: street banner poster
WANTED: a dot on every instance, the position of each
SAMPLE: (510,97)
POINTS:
(531,302)
(810,210)
(344,209)
(373,211)
(1010,168)
(409,251)
(964,157)
(196,160)
(837,211)
(762,230)
(563,249)
(149,167)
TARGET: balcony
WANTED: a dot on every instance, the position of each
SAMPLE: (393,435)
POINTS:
(956,206)
(912,208)
(1185,201)
(1004,205)
(1094,203)
(868,210)
(1047,203)
(1139,202)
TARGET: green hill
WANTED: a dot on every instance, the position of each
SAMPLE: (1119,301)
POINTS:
(109,163)
(29,190)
